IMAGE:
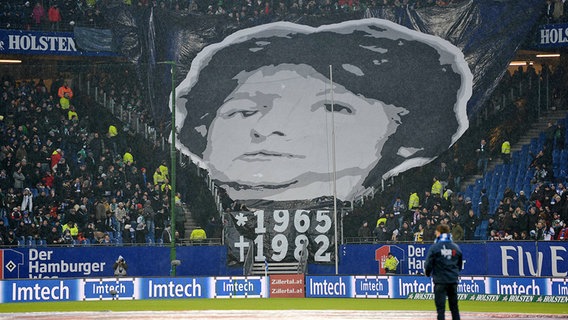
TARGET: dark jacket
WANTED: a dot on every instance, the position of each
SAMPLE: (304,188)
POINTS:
(444,261)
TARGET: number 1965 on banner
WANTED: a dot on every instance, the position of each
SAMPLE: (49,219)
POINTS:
(280,235)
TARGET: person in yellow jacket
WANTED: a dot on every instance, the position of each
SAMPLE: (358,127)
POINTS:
(198,234)
(72,229)
(413,200)
(436,188)
(72,114)
(112,131)
(164,169)
(447,194)
(506,151)
(382,217)
(391,263)
(65,94)
(128,158)
(158,177)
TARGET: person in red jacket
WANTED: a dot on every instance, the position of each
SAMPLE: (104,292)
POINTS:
(55,157)
(54,17)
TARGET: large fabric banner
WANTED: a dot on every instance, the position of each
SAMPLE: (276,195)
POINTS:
(280,235)
(274,108)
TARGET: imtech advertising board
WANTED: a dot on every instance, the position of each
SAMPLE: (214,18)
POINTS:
(525,289)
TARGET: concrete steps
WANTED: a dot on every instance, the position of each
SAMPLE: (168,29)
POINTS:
(259,268)
(534,132)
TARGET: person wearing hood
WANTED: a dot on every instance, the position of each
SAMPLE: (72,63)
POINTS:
(27,200)
(120,267)
(443,264)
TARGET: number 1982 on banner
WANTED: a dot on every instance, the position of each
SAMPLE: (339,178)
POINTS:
(281,235)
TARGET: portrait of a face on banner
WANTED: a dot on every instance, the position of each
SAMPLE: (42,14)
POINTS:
(259,108)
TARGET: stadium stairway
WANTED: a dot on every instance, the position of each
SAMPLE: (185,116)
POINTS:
(534,133)
(261,268)
(190,224)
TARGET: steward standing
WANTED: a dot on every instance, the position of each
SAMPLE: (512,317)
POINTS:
(443,263)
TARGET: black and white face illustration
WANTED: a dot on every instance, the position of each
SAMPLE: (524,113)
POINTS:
(267,116)
(278,117)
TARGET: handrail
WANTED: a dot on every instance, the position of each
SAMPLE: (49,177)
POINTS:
(249,261)
(303,263)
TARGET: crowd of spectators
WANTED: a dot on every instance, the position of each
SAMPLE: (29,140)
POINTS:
(64,182)
(63,15)
(51,15)
(542,215)
(556,11)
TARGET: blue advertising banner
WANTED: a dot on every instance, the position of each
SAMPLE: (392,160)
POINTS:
(241,287)
(108,289)
(80,262)
(474,285)
(518,286)
(43,43)
(519,289)
(329,287)
(368,259)
(558,287)
(405,285)
(536,259)
(541,259)
(41,291)
(371,286)
(552,35)
(509,259)
(174,288)
(12,262)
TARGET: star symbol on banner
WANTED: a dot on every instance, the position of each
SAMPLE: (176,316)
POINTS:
(241,219)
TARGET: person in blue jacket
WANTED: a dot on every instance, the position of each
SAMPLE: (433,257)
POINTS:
(443,263)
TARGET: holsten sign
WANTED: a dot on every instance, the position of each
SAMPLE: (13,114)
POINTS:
(43,43)
(553,35)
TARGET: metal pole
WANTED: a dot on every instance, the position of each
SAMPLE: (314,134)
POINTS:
(539,98)
(334,172)
(547,92)
(173,176)
(173,169)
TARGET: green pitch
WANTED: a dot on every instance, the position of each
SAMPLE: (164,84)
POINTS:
(280,304)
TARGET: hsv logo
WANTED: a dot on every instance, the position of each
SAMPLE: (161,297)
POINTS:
(11,260)
(382,253)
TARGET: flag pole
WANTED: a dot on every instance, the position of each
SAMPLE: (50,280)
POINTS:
(334,171)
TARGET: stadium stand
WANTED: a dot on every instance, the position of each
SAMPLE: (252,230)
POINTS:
(93,178)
